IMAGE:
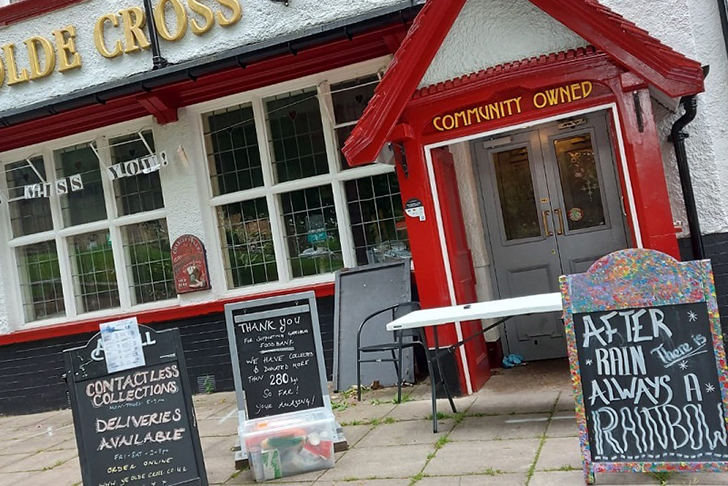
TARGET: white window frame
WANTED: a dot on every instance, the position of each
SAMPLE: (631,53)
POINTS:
(271,191)
(113,224)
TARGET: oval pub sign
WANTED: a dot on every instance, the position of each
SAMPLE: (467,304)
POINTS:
(189,265)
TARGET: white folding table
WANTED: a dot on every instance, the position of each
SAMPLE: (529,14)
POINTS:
(502,310)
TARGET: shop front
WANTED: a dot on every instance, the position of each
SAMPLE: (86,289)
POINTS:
(507,164)
(166,193)
(528,169)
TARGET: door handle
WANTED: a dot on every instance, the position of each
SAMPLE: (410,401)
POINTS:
(560,231)
(545,215)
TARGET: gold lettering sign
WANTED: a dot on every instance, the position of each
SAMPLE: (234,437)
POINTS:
(123,33)
(115,34)
(513,106)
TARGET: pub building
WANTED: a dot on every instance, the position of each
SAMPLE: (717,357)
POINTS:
(528,137)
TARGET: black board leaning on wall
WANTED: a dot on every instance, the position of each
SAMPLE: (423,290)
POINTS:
(277,355)
(138,426)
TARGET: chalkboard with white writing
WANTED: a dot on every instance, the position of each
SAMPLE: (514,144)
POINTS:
(277,355)
(135,427)
(648,364)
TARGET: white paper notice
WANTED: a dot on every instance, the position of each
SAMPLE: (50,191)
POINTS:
(122,345)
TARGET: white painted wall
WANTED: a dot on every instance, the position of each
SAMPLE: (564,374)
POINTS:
(491,32)
(692,27)
(263,20)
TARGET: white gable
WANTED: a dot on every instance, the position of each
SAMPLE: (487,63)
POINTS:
(492,32)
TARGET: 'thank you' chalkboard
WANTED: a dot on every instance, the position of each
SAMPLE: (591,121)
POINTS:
(277,356)
(648,364)
(137,426)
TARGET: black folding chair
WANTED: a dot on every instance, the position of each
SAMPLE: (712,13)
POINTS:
(396,348)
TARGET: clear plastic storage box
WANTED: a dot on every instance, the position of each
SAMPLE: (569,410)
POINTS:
(291,443)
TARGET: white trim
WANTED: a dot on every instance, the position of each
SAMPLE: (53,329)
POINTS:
(627,178)
(611,107)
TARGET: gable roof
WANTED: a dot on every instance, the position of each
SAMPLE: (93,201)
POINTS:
(625,43)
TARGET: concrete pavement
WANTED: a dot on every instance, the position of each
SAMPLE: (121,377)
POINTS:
(518,431)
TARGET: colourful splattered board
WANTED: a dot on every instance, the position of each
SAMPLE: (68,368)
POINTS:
(647,365)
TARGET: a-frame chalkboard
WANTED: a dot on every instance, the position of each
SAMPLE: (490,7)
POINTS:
(138,426)
(648,365)
(277,355)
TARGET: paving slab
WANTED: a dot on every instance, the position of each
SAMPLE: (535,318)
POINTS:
(16,479)
(563,424)
(67,474)
(378,463)
(37,443)
(700,479)
(559,453)
(218,426)
(500,427)
(422,409)
(475,480)
(219,458)
(566,401)
(508,456)
(563,478)
(366,482)
(406,432)
(354,433)
(541,401)
(213,402)
(363,412)
(38,462)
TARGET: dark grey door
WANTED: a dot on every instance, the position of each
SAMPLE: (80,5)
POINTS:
(552,206)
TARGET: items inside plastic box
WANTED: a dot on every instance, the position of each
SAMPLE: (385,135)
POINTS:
(290,444)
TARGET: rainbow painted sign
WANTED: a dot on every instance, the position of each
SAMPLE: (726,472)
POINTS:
(647,364)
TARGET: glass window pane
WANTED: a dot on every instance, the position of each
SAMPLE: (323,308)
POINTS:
(148,261)
(40,281)
(86,205)
(247,243)
(94,276)
(350,99)
(27,216)
(311,231)
(142,192)
(516,194)
(233,154)
(377,219)
(295,135)
(580,182)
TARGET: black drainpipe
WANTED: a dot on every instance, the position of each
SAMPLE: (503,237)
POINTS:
(158,62)
(677,137)
(723,12)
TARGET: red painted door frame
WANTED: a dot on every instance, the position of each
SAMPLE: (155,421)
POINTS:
(640,146)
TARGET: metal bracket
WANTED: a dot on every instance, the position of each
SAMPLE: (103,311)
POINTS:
(638,111)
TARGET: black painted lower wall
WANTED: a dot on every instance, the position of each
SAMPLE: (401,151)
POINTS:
(716,248)
(31,373)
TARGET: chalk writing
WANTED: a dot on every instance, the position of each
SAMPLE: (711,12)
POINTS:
(134,426)
(278,363)
(639,406)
